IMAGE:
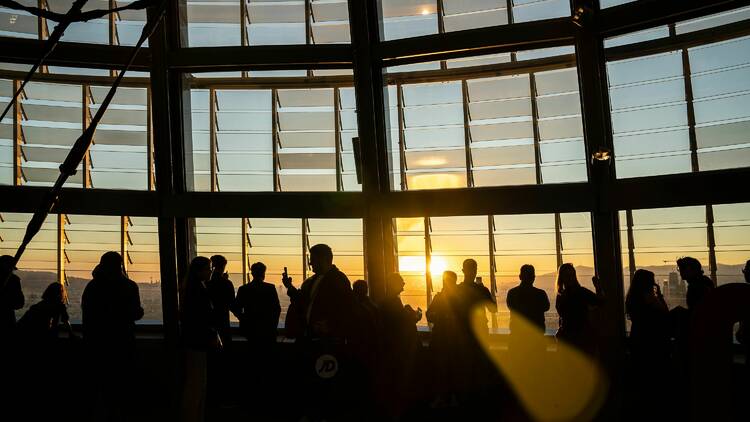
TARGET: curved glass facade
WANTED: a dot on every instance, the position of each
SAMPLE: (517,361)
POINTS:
(478,123)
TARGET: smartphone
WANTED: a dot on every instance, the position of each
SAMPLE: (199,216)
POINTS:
(284,274)
(478,280)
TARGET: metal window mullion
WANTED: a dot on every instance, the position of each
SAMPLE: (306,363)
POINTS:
(85,118)
(124,240)
(711,240)
(244,35)
(17,137)
(493,265)
(509,11)
(688,82)
(149,141)
(275,139)
(337,138)
(401,137)
(244,249)
(308,29)
(631,243)
(212,138)
(441,27)
(558,240)
(428,260)
(535,126)
(467,133)
(305,248)
(61,250)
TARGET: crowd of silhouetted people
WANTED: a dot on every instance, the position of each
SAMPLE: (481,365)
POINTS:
(354,356)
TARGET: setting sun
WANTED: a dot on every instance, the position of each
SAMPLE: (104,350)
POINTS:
(416,264)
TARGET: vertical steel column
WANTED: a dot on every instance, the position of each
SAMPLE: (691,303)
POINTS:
(43,30)
(631,243)
(17,137)
(427,261)
(594,95)
(275,139)
(372,121)
(85,119)
(467,134)
(493,265)
(712,265)
(337,137)
(171,97)
(535,127)
(112,27)
(212,138)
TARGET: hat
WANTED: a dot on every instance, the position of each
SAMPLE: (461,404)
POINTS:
(7,261)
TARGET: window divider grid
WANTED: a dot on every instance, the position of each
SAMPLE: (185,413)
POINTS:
(535,126)
(467,134)
(428,260)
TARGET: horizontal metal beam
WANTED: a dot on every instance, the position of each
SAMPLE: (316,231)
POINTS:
(677,42)
(644,14)
(135,82)
(19,50)
(266,57)
(485,71)
(681,190)
(527,199)
(481,41)
(26,199)
(299,82)
(267,204)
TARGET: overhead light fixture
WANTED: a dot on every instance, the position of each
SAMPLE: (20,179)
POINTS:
(12,19)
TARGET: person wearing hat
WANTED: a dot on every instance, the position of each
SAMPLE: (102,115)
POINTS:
(11,295)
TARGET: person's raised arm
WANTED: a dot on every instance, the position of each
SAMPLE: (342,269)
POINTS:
(275,307)
(136,307)
(545,303)
(236,305)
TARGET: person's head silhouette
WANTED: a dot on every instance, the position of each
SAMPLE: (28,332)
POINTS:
(53,293)
(110,266)
(7,264)
(690,268)
(527,274)
(258,271)
(360,288)
(199,270)
(394,285)
(449,280)
(218,265)
(642,286)
(566,278)
(470,270)
(321,258)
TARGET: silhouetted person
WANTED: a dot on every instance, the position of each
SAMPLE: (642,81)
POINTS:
(322,306)
(11,296)
(443,314)
(649,342)
(221,292)
(41,322)
(257,308)
(320,318)
(743,336)
(365,344)
(38,330)
(110,306)
(399,344)
(475,295)
(698,285)
(199,336)
(574,303)
(527,301)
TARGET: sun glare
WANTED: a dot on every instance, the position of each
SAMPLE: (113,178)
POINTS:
(416,264)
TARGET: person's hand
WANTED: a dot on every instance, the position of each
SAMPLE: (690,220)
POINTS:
(597,283)
(287,281)
(419,314)
(225,276)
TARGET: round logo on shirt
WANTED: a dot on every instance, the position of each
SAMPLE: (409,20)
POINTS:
(326,366)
